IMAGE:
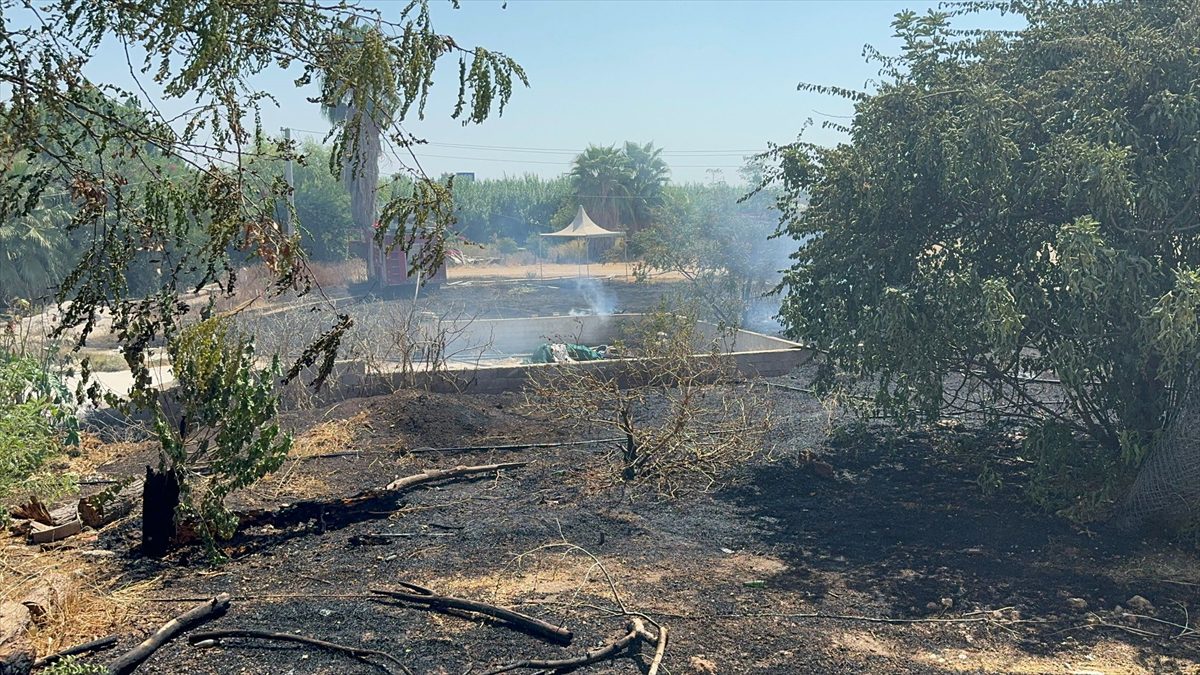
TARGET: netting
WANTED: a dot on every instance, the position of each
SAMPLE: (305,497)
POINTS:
(1166,492)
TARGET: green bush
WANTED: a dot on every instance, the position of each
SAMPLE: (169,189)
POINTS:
(69,665)
(35,425)
(228,407)
(1014,216)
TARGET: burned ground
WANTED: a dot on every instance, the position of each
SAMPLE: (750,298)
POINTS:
(899,530)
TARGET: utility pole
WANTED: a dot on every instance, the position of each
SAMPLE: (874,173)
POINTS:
(288,176)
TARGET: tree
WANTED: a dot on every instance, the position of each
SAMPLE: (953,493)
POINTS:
(323,208)
(514,208)
(601,178)
(188,225)
(648,176)
(1015,214)
(620,188)
(359,92)
(33,255)
(722,242)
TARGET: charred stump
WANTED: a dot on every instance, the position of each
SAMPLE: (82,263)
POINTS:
(160,500)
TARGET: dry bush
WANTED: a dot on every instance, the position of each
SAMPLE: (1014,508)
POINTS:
(685,427)
(338,275)
(407,347)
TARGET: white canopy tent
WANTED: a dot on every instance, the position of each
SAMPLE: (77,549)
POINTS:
(583,227)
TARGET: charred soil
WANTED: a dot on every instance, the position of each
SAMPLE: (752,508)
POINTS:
(882,555)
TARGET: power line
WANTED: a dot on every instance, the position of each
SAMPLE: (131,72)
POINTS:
(566,151)
(517,148)
(562,163)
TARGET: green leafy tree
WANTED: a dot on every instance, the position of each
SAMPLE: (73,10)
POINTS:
(1011,232)
(34,254)
(323,208)
(619,187)
(648,176)
(207,54)
(225,422)
(601,178)
(513,208)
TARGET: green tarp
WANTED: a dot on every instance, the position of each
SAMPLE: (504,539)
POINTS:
(545,353)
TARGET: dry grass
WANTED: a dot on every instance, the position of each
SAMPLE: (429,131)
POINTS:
(331,436)
(94,453)
(293,479)
(93,602)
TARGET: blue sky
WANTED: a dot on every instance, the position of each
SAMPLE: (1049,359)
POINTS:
(708,81)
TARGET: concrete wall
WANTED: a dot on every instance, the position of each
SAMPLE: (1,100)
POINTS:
(751,354)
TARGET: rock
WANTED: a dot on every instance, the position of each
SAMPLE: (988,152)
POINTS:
(47,597)
(1077,604)
(1139,604)
(14,619)
(702,665)
(16,656)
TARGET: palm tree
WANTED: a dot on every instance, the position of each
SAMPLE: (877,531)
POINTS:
(601,180)
(33,254)
(649,174)
(359,93)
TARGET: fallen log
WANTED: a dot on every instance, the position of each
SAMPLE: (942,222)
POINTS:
(85,648)
(637,632)
(108,505)
(419,595)
(212,609)
(359,653)
(431,475)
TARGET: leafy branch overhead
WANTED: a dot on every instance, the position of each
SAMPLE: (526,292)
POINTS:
(197,205)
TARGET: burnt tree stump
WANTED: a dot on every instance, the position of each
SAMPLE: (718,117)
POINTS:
(160,500)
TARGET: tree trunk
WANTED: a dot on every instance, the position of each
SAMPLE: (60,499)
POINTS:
(160,501)
(630,453)
(1166,492)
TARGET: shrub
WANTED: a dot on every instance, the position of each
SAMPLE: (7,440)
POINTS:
(37,422)
(225,422)
(1015,214)
(684,427)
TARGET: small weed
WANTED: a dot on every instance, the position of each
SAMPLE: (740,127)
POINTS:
(69,665)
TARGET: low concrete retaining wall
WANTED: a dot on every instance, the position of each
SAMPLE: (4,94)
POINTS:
(750,354)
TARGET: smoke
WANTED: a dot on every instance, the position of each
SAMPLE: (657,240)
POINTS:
(772,257)
(599,299)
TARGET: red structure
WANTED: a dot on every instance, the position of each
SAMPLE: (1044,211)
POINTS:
(392,269)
